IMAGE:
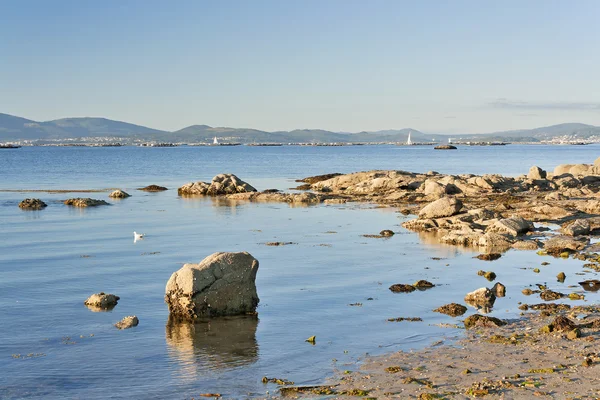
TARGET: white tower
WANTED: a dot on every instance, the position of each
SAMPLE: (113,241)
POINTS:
(215,141)
(408,141)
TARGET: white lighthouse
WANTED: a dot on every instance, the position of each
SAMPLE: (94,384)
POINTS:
(408,141)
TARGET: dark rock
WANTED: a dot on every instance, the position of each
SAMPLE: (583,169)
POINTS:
(452,309)
(32,204)
(499,290)
(318,178)
(562,323)
(489,256)
(482,321)
(423,284)
(445,147)
(549,295)
(386,232)
(153,188)
(402,288)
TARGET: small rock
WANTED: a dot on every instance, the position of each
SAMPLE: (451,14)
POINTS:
(549,295)
(574,334)
(489,257)
(499,289)
(561,277)
(423,284)
(482,297)
(482,321)
(102,301)
(445,147)
(32,204)
(153,188)
(128,322)
(119,194)
(562,323)
(402,288)
(490,275)
(386,232)
(452,309)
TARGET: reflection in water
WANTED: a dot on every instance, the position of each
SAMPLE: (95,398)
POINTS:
(431,241)
(215,344)
(590,286)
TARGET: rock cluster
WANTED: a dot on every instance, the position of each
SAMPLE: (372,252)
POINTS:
(221,184)
(221,284)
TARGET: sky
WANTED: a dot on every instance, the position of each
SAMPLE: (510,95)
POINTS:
(342,65)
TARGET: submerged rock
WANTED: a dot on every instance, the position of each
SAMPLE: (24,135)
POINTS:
(128,322)
(445,147)
(85,202)
(387,233)
(221,284)
(119,194)
(103,301)
(153,188)
(402,288)
(489,256)
(220,185)
(32,204)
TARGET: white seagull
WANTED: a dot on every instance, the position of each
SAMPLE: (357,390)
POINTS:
(137,236)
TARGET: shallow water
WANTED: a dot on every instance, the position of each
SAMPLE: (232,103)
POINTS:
(51,260)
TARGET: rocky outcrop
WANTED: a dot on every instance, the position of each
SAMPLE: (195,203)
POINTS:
(85,202)
(444,207)
(153,188)
(32,204)
(102,301)
(222,184)
(291,198)
(128,322)
(221,284)
(118,194)
(318,178)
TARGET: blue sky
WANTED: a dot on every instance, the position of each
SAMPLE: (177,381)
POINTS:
(342,65)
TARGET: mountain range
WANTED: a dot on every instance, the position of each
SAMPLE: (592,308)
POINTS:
(13,128)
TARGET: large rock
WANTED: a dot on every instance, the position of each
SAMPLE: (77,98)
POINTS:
(559,244)
(220,185)
(32,204)
(577,227)
(118,194)
(221,284)
(101,301)
(481,298)
(512,226)
(444,207)
(536,173)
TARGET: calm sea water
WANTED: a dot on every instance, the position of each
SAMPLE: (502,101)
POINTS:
(52,346)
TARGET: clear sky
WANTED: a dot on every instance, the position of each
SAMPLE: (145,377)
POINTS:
(342,65)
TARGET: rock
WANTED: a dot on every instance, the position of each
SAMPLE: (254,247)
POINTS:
(318,178)
(119,194)
(220,185)
(103,301)
(489,256)
(559,244)
(153,188)
(482,321)
(386,233)
(574,334)
(499,290)
(221,284)
(32,204)
(561,277)
(128,322)
(444,207)
(512,226)
(402,288)
(526,245)
(85,202)
(562,323)
(490,275)
(433,189)
(445,147)
(452,309)
(536,173)
(577,227)
(494,241)
(549,295)
(482,297)
(423,284)
(591,285)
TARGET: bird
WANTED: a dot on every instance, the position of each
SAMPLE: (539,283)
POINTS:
(137,236)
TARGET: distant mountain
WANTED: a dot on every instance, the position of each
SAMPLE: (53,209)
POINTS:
(14,128)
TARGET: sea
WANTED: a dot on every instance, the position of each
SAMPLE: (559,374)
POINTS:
(331,282)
